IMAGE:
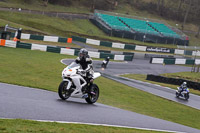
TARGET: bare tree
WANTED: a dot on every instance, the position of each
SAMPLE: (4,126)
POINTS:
(113,2)
(46,2)
(28,1)
(162,3)
(116,3)
(180,5)
(93,5)
(186,14)
(197,8)
(162,7)
(197,35)
(158,5)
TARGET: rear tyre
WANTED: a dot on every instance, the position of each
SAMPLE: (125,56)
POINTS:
(62,91)
(93,97)
(177,94)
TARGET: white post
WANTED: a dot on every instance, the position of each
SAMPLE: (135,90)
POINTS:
(6,27)
(145,31)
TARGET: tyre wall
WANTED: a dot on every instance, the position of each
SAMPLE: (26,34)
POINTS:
(174,81)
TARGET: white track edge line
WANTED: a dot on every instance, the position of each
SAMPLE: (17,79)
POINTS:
(106,125)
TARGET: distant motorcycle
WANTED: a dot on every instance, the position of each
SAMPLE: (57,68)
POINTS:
(105,63)
(184,94)
(72,79)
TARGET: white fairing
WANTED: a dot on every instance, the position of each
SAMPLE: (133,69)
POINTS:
(70,74)
(104,61)
(96,75)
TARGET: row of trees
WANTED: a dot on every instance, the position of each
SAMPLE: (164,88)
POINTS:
(179,10)
(93,4)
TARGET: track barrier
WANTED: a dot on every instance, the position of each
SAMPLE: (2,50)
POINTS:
(174,81)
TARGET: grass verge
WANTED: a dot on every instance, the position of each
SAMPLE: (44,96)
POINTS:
(51,25)
(184,75)
(43,70)
(24,126)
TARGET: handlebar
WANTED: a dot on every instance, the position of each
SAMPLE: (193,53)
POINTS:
(81,72)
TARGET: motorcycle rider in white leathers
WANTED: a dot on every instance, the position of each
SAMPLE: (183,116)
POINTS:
(86,64)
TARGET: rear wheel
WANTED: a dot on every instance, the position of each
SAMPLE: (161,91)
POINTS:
(62,91)
(93,94)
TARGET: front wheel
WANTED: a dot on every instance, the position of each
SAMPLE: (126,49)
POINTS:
(93,94)
(103,65)
(62,91)
(186,96)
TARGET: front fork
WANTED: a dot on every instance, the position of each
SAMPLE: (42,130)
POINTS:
(69,83)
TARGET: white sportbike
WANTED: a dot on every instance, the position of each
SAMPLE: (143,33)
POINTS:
(74,85)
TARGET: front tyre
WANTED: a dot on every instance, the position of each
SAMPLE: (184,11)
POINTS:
(103,65)
(186,96)
(93,94)
(62,91)
(177,94)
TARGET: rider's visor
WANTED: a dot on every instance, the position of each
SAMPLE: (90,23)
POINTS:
(81,54)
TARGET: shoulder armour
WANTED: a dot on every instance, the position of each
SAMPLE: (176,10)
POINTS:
(78,59)
(88,59)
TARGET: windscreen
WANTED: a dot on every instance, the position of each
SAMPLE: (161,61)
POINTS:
(73,64)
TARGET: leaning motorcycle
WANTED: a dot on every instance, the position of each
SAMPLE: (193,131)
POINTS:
(184,94)
(73,79)
(104,64)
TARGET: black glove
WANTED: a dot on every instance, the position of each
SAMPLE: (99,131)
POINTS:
(83,72)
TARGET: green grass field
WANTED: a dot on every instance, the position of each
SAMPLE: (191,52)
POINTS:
(184,75)
(58,26)
(26,126)
(43,70)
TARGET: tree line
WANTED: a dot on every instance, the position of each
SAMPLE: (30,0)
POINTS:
(179,10)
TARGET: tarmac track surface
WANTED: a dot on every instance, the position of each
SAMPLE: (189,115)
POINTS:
(36,104)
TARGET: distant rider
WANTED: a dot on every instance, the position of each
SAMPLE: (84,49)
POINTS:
(183,87)
(105,62)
